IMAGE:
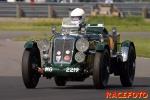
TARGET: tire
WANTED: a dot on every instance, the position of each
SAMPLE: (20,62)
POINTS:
(60,80)
(127,69)
(101,69)
(31,58)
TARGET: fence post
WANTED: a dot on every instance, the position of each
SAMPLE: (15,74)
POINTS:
(18,11)
(50,11)
(144,12)
(111,8)
(92,9)
(83,8)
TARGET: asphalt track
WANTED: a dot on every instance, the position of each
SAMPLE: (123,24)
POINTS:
(13,34)
(12,87)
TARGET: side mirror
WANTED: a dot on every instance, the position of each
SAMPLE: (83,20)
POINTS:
(54,29)
(114,30)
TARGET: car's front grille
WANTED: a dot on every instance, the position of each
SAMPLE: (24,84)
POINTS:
(63,50)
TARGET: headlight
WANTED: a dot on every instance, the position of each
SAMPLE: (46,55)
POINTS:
(79,56)
(82,44)
(43,44)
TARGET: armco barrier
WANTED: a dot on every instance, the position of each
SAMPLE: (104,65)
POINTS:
(134,9)
(22,9)
(40,10)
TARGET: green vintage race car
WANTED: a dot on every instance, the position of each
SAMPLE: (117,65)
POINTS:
(77,52)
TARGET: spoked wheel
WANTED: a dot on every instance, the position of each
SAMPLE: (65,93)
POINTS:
(101,69)
(30,60)
(127,69)
(60,80)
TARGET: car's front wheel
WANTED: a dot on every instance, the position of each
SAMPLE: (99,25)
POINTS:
(31,59)
(101,69)
(127,69)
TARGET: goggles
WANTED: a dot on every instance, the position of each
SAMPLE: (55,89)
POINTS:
(76,18)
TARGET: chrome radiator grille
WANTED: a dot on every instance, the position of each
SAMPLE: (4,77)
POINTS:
(63,50)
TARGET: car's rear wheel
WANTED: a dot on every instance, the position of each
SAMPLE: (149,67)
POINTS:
(31,59)
(101,69)
(127,69)
(60,80)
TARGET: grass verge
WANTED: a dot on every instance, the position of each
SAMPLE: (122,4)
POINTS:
(123,25)
(141,44)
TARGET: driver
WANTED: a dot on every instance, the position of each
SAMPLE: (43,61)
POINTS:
(78,16)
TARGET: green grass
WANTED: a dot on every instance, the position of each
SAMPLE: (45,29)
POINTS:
(43,24)
(133,24)
(136,24)
(109,20)
(142,46)
(48,28)
(129,28)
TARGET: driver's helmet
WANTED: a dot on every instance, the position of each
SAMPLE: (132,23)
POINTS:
(77,16)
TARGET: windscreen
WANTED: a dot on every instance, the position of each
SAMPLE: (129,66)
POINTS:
(95,26)
(97,30)
(69,27)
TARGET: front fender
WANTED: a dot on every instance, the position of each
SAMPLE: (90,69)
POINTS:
(30,44)
(101,46)
(124,54)
(125,45)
